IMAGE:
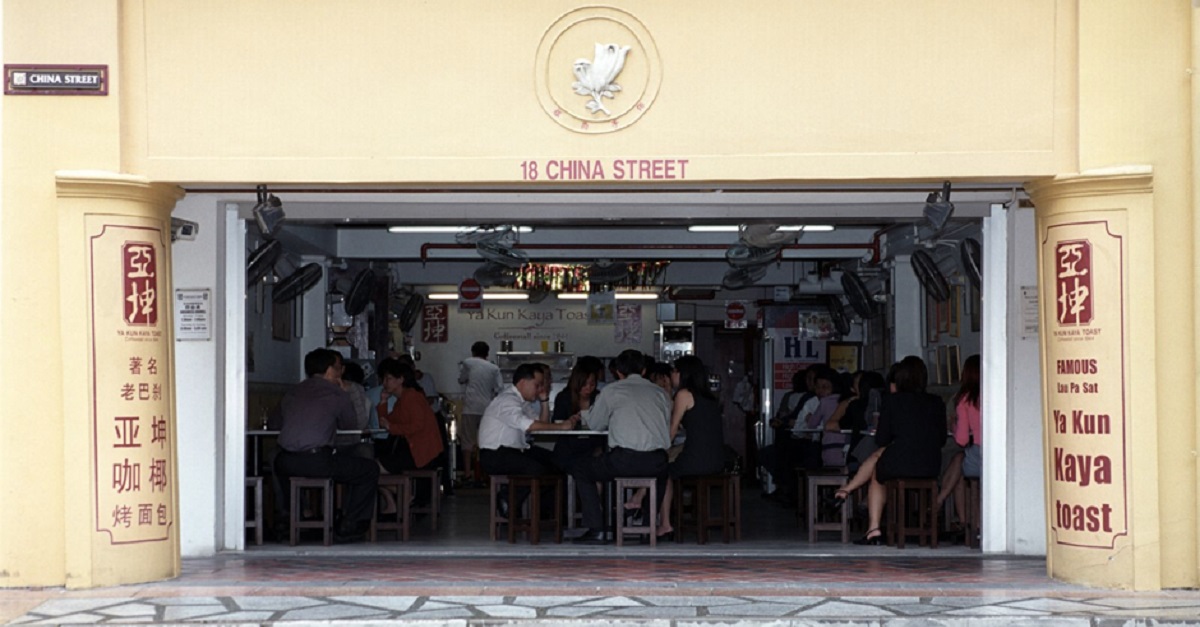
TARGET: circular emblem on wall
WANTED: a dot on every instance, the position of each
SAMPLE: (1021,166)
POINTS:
(597,70)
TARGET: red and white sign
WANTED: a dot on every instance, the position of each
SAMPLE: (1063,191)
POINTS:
(735,315)
(470,294)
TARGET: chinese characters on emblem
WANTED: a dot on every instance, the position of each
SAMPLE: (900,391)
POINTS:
(1073,289)
(435,323)
(141,296)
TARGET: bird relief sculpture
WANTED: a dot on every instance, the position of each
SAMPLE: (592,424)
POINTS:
(595,77)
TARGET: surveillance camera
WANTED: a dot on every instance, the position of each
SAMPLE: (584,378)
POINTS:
(183,229)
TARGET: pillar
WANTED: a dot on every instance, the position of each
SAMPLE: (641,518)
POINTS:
(120,520)
(1108,499)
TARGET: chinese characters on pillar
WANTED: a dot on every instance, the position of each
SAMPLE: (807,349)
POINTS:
(1084,266)
(132,420)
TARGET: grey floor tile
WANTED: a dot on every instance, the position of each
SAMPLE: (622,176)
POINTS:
(693,601)
(468,600)
(184,601)
(60,607)
(275,603)
(653,612)
(453,612)
(332,612)
(129,610)
(184,612)
(396,604)
(995,610)
(572,611)
(752,609)
(234,617)
(507,611)
(915,609)
(71,619)
(842,609)
(972,601)
(536,601)
(611,602)
(1054,605)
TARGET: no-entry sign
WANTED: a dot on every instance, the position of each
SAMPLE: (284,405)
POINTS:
(470,294)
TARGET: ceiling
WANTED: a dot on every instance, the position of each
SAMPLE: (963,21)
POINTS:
(571,226)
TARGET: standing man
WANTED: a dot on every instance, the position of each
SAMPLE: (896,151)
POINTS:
(482,382)
(311,414)
(637,415)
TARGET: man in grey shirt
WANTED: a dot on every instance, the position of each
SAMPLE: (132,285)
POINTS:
(311,414)
(637,415)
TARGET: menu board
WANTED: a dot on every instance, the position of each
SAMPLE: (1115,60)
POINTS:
(1084,279)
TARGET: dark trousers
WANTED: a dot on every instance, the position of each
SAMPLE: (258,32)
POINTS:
(619,462)
(531,461)
(359,476)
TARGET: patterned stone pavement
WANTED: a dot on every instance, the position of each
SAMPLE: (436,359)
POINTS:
(598,587)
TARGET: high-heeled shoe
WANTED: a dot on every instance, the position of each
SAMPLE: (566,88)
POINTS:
(870,540)
(839,499)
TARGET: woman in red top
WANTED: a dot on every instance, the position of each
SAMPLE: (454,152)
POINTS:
(414,442)
(968,435)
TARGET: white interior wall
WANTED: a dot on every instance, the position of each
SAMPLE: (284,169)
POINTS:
(199,376)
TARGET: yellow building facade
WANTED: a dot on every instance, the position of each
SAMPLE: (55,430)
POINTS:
(1091,104)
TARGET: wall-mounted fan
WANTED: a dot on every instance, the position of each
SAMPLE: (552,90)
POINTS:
(502,255)
(766,235)
(970,255)
(859,296)
(742,256)
(495,275)
(607,272)
(297,283)
(410,310)
(359,294)
(837,313)
(740,278)
(489,234)
(262,260)
(930,276)
(537,296)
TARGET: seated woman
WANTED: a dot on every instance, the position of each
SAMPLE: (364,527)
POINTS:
(696,410)
(414,441)
(967,434)
(912,428)
(861,416)
(577,397)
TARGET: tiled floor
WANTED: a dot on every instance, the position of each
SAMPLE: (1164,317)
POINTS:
(455,577)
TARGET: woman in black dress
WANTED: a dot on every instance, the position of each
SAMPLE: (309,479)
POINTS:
(911,431)
(695,409)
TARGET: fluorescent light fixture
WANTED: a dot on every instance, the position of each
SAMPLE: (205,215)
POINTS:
(620,296)
(486,296)
(444,229)
(733,228)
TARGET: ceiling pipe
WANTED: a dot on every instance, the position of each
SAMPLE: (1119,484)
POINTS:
(872,247)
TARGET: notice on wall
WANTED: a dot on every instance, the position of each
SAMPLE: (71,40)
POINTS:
(193,314)
(627,328)
(1084,282)
(134,473)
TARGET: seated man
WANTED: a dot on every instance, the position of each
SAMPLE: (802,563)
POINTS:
(311,414)
(503,449)
(637,415)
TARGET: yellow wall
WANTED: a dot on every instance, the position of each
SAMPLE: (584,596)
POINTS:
(378,90)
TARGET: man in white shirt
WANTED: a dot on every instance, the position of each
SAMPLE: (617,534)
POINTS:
(503,449)
(482,382)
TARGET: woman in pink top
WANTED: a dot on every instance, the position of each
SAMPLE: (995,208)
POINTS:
(968,434)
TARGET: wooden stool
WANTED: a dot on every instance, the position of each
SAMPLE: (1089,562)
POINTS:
(632,483)
(735,505)
(494,517)
(531,523)
(574,518)
(702,518)
(826,479)
(434,477)
(325,524)
(254,518)
(927,516)
(974,509)
(400,519)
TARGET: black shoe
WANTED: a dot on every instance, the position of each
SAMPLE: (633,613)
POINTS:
(342,537)
(871,540)
(502,507)
(591,536)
